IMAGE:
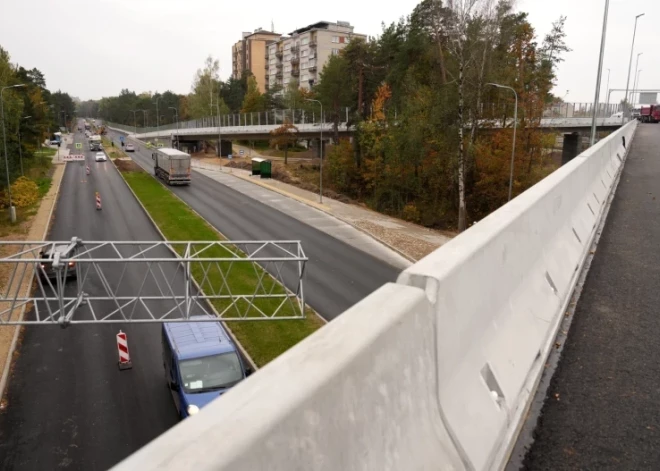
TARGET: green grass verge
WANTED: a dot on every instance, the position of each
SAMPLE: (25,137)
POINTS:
(45,152)
(263,340)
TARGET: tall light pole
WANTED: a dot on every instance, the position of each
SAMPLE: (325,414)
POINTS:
(134,120)
(219,129)
(632,49)
(635,84)
(635,81)
(176,115)
(639,74)
(599,75)
(20,151)
(144,117)
(321,146)
(515,127)
(608,87)
(157,118)
(12,210)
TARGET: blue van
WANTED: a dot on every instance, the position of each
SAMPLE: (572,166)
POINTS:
(201,363)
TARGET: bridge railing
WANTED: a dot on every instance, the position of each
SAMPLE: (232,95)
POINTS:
(312,116)
(436,371)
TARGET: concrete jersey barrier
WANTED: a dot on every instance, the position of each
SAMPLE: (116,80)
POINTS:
(499,292)
(434,372)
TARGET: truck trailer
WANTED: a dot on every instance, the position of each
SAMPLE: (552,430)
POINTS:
(171,166)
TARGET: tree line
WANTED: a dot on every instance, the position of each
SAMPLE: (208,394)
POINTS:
(422,103)
(32,113)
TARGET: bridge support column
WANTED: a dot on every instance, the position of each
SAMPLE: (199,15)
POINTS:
(316,145)
(571,147)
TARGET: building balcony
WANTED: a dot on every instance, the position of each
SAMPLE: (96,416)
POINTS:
(278,75)
(294,49)
(312,68)
(279,54)
(295,60)
(279,66)
(295,72)
(312,43)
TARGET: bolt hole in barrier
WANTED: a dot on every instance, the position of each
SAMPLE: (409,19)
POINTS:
(434,372)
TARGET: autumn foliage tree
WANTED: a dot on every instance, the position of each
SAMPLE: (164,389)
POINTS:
(284,136)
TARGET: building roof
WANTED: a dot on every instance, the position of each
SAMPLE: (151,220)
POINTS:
(198,339)
(322,25)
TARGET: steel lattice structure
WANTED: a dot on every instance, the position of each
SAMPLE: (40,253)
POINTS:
(117,282)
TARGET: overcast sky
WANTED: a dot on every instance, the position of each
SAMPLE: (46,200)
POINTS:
(94,48)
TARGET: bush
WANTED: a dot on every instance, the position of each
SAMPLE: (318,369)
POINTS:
(24,193)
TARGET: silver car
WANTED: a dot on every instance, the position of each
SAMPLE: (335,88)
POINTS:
(46,269)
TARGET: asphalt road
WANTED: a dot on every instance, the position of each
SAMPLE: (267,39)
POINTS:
(69,407)
(602,411)
(337,275)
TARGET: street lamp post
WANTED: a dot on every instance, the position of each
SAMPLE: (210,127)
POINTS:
(599,74)
(20,151)
(515,127)
(639,95)
(635,81)
(632,49)
(12,210)
(157,119)
(134,119)
(608,88)
(176,115)
(321,152)
(219,130)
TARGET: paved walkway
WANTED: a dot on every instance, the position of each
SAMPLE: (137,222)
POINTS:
(410,240)
(602,411)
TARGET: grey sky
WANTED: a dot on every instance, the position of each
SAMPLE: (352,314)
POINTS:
(95,48)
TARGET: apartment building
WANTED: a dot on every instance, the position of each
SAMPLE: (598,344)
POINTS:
(302,55)
(250,54)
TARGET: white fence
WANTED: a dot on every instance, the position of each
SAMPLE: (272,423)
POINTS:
(434,372)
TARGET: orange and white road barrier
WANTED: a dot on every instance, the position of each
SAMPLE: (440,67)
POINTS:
(87,170)
(98,200)
(122,348)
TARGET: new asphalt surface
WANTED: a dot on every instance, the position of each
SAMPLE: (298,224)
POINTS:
(69,407)
(602,411)
(337,275)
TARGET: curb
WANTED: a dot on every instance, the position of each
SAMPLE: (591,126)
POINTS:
(321,208)
(14,342)
(153,223)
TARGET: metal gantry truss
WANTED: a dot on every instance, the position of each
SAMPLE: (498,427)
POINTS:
(117,282)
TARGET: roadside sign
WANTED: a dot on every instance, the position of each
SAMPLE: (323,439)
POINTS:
(121,138)
(241,152)
(73,157)
(230,156)
(78,145)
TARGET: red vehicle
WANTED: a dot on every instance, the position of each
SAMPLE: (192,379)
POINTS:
(649,114)
(655,114)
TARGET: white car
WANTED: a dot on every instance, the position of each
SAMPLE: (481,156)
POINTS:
(101,157)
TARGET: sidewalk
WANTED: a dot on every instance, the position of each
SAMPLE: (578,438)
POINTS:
(602,410)
(38,230)
(410,240)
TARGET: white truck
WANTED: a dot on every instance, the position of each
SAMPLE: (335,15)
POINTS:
(171,166)
(95,143)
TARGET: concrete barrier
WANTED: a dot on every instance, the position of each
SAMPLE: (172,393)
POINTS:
(499,292)
(434,372)
(359,394)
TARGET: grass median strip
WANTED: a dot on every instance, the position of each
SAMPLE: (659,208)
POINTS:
(263,340)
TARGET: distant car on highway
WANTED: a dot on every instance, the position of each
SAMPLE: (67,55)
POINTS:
(201,363)
(130,148)
(46,269)
(101,157)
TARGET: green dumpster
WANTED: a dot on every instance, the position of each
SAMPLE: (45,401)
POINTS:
(261,167)
(256,166)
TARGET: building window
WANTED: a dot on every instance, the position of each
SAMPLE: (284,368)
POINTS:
(347,40)
(335,39)
(272,61)
(312,63)
(304,53)
(287,57)
(287,68)
(305,78)
(272,49)
(305,41)
(286,82)
(287,47)
(341,39)
(303,64)
(335,52)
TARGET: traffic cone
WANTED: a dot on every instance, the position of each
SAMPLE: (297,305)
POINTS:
(98,200)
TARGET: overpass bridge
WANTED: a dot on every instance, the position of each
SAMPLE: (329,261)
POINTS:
(441,369)
(259,125)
